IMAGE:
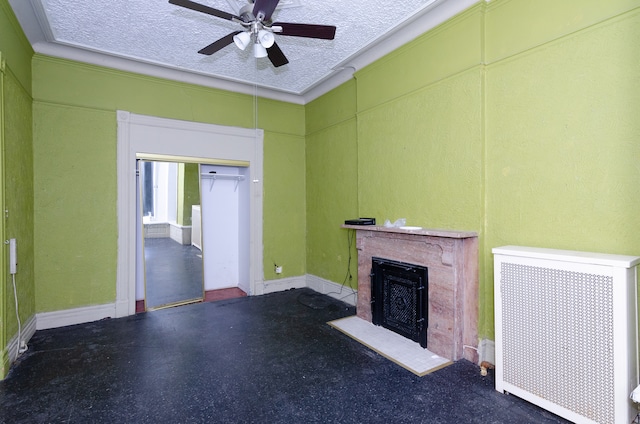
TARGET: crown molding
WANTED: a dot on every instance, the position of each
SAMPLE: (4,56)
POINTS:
(157,70)
(33,22)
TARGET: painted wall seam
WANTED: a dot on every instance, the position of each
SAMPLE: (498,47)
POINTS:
(426,37)
(560,40)
(9,73)
(70,106)
(615,17)
(424,60)
(337,124)
(430,85)
(484,280)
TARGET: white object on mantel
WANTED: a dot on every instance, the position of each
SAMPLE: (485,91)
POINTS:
(635,395)
(399,223)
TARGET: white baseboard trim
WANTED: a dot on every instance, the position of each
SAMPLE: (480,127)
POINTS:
(26,332)
(122,309)
(180,233)
(272,286)
(332,289)
(45,320)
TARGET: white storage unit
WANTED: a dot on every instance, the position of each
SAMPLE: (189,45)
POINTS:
(196,226)
(566,331)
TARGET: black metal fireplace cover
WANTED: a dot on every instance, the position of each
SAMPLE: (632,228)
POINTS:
(399,298)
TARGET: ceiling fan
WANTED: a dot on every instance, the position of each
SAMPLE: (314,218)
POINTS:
(255,17)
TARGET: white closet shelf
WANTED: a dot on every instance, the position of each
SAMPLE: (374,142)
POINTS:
(214,177)
(223,176)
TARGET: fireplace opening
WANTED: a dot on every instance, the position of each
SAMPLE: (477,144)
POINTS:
(399,298)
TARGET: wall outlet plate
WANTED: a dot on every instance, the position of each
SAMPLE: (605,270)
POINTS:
(13,256)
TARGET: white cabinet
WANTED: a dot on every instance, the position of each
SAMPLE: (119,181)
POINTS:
(196,226)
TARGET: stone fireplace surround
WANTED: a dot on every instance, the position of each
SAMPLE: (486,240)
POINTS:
(452,261)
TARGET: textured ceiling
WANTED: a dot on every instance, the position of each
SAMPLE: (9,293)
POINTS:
(158,38)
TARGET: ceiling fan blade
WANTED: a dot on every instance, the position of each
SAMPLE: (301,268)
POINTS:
(325,32)
(276,56)
(266,7)
(204,9)
(217,45)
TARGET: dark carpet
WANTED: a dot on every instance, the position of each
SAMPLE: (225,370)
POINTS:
(173,272)
(261,359)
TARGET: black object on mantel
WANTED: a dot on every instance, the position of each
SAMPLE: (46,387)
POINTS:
(360,221)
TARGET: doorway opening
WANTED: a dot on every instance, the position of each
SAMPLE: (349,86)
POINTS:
(152,138)
(192,243)
(170,263)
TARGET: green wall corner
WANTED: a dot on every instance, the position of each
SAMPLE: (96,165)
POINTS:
(526,135)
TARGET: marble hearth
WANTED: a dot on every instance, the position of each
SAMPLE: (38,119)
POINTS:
(452,261)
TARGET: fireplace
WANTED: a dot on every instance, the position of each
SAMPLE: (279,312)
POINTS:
(451,258)
(399,298)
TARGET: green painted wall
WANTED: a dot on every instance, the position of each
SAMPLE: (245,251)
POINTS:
(75,206)
(332,184)
(284,214)
(16,49)
(16,178)
(188,191)
(75,171)
(516,119)
(563,137)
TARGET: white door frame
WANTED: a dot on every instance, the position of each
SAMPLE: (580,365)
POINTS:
(198,142)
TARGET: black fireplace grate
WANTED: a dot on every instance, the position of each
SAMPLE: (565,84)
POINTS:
(399,298)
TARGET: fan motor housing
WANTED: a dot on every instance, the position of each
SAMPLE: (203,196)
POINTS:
(246,13)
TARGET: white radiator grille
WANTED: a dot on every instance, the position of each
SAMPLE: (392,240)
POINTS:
(560,337)
(566,331)
(156,230)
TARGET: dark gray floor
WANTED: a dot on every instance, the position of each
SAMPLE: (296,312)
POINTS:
(262,359)
(173,272)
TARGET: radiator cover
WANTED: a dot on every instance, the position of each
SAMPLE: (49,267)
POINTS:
(566,332)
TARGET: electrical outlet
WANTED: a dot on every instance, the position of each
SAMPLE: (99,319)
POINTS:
(278,269)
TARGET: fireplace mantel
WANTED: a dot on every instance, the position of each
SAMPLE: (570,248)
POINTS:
(452,260)
(420,232)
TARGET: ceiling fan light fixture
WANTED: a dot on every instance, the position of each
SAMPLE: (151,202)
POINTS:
(259,50)
(255,18)
(242,40)
(266,38)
